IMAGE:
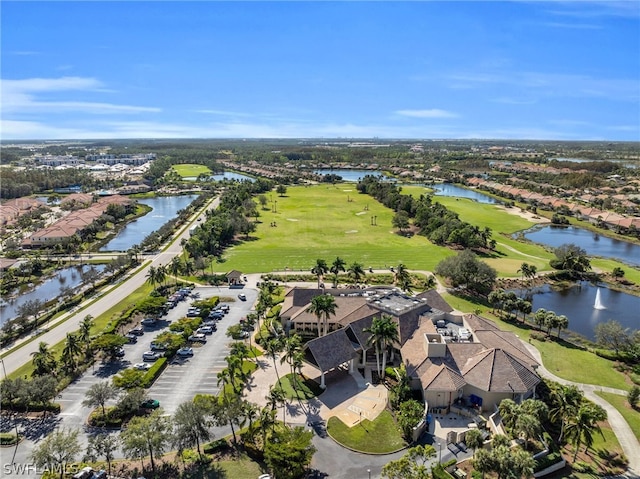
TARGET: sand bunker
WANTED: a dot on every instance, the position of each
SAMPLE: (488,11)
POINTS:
(361,213)
(351,231)
(292,219)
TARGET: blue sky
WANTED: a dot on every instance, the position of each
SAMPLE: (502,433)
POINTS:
(504,70)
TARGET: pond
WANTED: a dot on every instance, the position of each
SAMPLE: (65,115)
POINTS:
(577,303)
(227,175)
(448,189)
(70,277)
(593,243)
(164,209)
(347,174)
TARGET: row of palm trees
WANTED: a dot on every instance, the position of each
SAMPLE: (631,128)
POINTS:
(356,273)
(159,275)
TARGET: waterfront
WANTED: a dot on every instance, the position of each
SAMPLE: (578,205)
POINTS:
(69,278)
(577,303)
(593,243)
(449,189)
(164,208)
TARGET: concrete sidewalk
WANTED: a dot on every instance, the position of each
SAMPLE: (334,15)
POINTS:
(348,395)
(621,429)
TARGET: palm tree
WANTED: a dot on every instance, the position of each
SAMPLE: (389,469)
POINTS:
(267,421)
(84,333)
(524,270)
(175,266)
(473,439)
(292,347)
(191,426)
(152,276)
(384,333)
(71,349)
(356,272)
(508,410)
(43,360)
(528,426)
(403,278)
(320,269)
(323,306)
(565,401)
(161,274)
(562,322)
(99,393)
(271,349)
(337,266)
(583,424)
(539,317)
(275,398)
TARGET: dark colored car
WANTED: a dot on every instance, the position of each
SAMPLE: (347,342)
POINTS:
(150,404)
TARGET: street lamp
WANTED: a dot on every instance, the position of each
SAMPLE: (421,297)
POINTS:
(369,472)
(439,452)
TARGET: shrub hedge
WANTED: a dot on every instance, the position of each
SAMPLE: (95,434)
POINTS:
(153,372)
(7,438)
(219,445)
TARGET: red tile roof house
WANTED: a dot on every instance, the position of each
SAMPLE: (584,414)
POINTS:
(493,366)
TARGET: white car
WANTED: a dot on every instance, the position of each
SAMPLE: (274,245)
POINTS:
(141,366)
(205,330)
(185,352)
(150,356)
(198,337)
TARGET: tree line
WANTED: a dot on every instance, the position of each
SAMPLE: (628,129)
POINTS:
(439,224)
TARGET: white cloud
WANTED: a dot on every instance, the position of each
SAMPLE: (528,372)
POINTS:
(431,113)
(552,84)
(23,96)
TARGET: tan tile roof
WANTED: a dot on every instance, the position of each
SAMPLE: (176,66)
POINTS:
(496,370)
(442,378)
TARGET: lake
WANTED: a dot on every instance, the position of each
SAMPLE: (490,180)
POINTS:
(227,175)
(70,277)
(577,302)
(593,243)
(448,189)
(348,174)
(164,208)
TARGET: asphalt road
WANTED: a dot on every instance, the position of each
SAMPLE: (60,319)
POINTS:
(113,295)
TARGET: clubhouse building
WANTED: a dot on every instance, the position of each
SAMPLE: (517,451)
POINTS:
(455,360)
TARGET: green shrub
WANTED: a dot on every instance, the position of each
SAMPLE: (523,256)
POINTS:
(583,467)
(476,475)
(635,378)
(7,438)
(274,312)
(188,325)
(546,461)
(450,462)
(154,372)
(219,445)
(439,472)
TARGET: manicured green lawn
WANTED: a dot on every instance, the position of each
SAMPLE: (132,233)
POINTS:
(304,389)
(189,170)
(326,221)
(379,436)
(630,415)
(607,265)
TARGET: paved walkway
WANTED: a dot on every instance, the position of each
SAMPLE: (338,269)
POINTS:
(621,429)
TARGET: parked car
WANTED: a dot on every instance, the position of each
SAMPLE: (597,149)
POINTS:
(156,346)
(150,404)
(100,475)
(119,352)
(192,313)
(185,352)
(132,338)
(242,297)
(138,331)
(205,330)
(148,322)
(197,338)
(141,366)
(84,473)
(224,308)
(211,324)
(151,356)
(216,315)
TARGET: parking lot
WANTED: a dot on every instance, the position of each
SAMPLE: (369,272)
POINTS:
(186,377)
